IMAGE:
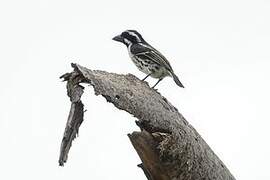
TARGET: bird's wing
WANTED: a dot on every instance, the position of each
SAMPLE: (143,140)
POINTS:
(148,52)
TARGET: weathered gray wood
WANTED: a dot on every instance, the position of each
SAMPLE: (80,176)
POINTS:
(75,117)
(182,153)
(147,148)
(145,171)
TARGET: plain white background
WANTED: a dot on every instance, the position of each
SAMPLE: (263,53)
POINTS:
(219,49)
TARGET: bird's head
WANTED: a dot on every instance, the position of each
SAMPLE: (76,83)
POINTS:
(129,37)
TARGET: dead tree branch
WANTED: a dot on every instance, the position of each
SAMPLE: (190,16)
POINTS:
(169,147)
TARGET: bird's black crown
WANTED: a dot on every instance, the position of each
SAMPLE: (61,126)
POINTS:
(129,37)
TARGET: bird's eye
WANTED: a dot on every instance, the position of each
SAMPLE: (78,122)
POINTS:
(124,34)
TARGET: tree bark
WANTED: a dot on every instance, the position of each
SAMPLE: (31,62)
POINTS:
(169,147)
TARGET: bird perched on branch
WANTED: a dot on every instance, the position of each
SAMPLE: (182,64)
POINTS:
(146,58)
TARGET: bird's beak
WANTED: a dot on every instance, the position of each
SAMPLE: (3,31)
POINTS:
(119,38)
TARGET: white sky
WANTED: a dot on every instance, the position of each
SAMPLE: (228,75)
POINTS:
(219,49)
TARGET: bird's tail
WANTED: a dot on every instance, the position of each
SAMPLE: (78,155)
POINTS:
(176,80)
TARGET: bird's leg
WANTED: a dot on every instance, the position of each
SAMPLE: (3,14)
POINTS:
(146,77)
(157,83)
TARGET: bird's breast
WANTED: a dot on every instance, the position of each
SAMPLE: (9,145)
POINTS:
(148,66)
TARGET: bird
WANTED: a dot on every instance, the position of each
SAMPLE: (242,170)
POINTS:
(147,59)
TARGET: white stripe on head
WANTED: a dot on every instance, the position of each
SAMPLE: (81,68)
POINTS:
(127,41)
(135,35)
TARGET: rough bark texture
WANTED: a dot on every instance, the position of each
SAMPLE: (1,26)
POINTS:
(75,117)
(169,147)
